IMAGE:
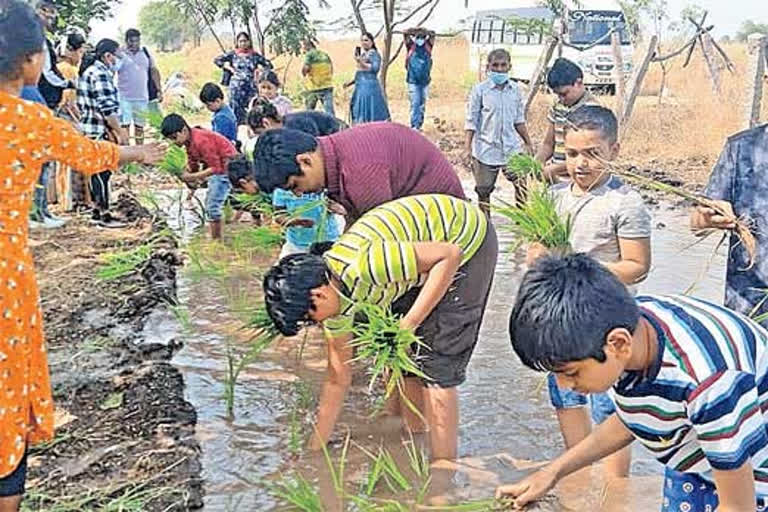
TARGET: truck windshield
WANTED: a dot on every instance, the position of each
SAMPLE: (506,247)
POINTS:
(586,27)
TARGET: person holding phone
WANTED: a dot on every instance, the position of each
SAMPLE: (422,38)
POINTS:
(368,102)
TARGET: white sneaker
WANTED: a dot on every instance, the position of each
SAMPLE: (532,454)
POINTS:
(56,219)
(33,224)
(49,223)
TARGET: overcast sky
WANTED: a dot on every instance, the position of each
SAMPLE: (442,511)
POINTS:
(727,15)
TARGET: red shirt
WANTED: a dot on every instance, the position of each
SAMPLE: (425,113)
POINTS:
(373,163)
(210,149)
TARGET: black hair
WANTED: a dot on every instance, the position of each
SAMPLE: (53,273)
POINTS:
(275,157)
(21,35)
(595,117)
(372,39)
(172,124)
(262,108)
(499,53)
(131,33)
(239,168)
(106,46)
(75,41)
(564,72)
(287,290)
(271,77)
(246,35)
(564,310)
(211,92)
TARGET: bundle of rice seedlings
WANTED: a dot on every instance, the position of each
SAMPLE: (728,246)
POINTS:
(121,263)
(525,166)
(256,203)
(258,239)
(175,161)
(378,338)
(537,220)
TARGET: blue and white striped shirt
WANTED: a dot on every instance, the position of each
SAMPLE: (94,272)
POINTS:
(702,405)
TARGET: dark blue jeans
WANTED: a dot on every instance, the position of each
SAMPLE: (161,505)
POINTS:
(418,95)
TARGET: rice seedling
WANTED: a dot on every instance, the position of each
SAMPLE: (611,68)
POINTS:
(131,169)
(298,493)
(537,220)
(491,505)
(202,262)
(383,466)
(256,203)
(121,263)
(753,314)
(175,161)
(265,333)
(303,401)
(378,338)
(525,166)
(256,240)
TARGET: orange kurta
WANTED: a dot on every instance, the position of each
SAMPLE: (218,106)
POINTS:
(29,136)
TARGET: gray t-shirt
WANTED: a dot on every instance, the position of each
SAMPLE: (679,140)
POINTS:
(602,216)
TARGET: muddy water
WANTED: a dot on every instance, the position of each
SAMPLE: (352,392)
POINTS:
(505,413)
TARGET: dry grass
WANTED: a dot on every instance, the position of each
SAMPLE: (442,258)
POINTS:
(683,134)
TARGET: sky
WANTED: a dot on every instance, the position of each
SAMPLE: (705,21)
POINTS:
(726,15)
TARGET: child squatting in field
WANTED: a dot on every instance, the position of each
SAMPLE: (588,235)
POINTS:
(431,258)
(609,222)
(688,379)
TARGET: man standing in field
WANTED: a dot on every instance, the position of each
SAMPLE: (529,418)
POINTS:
(419,43)
(495,127)
(135,71)
(318,72)
(567,82)
(739,184)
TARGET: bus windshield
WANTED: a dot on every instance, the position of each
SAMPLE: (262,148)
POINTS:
(586,27)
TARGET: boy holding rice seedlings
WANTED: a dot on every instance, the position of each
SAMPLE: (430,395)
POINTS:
(361,168)
(495,127)
(431,258)
(739,184)
(565,79)
(210,151)
(609,222)
(688,378)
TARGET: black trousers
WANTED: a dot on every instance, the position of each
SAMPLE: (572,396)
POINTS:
(100,189)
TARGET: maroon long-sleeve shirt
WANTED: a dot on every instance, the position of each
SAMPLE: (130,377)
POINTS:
(371,164)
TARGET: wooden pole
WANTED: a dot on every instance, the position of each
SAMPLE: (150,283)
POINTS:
(540,71)
(712,64)
(636,83)
(756,45)
(618,73)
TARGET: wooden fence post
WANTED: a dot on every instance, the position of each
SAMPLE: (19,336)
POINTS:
(712,64)
(756,58)
(540,71)
(636,83)
(618,73)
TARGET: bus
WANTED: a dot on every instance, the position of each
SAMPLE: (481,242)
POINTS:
(582,24)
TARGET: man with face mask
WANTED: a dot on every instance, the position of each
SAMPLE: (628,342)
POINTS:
(495,127)
(97,100)
(418,63)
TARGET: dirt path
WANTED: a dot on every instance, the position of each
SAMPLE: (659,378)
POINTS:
(125,435)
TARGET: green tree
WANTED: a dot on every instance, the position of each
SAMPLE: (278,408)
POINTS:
(750,27)
(289,28)
(162,23)
(80,13)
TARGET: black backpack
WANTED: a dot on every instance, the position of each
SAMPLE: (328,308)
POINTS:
(152,88)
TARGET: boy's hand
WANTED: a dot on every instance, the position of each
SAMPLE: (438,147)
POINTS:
(529,489)
(300,223)
(535,251)
(705,217)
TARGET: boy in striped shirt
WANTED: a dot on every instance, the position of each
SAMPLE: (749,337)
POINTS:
(689,380)
(431,259)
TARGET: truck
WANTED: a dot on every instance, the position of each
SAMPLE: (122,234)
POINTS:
(581,24)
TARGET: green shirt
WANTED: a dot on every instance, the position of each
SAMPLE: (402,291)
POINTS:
(376,259)
(320,74)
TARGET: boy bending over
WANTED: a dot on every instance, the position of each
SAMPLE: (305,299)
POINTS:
(688,378)
(431,258)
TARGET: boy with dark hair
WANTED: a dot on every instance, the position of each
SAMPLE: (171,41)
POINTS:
(431,258)
(224,121)
(361,168)
(495,128)
(565,79)
(688,378)
(210,151)
(609,222)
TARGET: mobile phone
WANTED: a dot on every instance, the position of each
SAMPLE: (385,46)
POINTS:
(358,50)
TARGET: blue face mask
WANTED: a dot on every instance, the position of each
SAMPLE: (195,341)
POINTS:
(117,65)
(498,77)
(420,41)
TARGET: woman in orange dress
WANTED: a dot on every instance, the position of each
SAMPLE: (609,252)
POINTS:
(30,135)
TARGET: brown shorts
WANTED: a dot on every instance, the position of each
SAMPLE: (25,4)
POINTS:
(452,329)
